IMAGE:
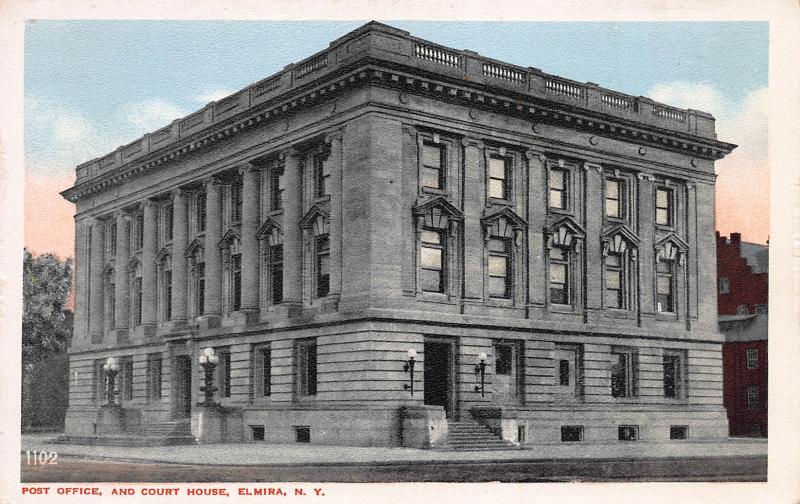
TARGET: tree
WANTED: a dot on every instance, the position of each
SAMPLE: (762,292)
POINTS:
(46,325)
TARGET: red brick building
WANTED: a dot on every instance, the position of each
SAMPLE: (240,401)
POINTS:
(742,281)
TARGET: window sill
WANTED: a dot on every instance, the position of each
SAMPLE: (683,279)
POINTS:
(665,227)
(276,212)
(500,302)
(667,317)
(432,191)
(562,308)
(322,199)
(618,313)
(626,400)
(433,297)
(611,221)
(498,202)
(559,211)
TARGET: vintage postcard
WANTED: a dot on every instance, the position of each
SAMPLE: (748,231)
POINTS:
(284,254)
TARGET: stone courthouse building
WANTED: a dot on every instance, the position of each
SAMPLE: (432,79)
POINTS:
(389,195)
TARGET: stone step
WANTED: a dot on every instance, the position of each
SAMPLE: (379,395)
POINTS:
(472,436)
(127,440)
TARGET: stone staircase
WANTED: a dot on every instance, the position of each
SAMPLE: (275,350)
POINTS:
(471,436)
(173,432)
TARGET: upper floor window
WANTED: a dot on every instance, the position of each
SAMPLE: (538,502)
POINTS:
(559,188)
(559,276)
(753,403)
(112,239)
(665,286)
(499,175)
(323,265)
(615,281)
(432,260)
(236,202)
(752,358)
(168,215)
(276,273)
(138,230)
(109,299)
(136,295)
(322,176)
(724,285)
(200,211)
(615,198)
(433,166)
(664,206)
(276,188)
(236,281)
(623,372)
(499,267)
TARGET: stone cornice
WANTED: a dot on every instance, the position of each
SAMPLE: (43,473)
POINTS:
(320,78)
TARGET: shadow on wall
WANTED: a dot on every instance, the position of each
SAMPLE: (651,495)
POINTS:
(46,395)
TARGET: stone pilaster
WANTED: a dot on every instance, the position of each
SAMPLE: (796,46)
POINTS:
(646,233)
(475,195)
(212,309)
(82,269)
(537,216)
(691,266)
(335,161)
(292,235)
(250,221)
(593,218)
(149,268)
(179,242)
(97,262)
(121,287)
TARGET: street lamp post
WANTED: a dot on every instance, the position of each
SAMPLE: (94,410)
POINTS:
(111,368)
(409,368)
(481,369)
(208,361)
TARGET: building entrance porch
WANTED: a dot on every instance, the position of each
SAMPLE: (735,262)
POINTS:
(439,374)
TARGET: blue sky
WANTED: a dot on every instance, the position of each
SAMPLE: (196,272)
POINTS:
(93,85)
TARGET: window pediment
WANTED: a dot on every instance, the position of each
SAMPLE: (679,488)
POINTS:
(437,212)
(162,255)
(194,247)
(108,269)
(564,232)
(134,266)
(503,223)
(271,231)
(670,248)
(231,238)
(316,219)
(618,239)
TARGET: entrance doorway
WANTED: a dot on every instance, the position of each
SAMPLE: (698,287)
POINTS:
(439,374)
(183,386)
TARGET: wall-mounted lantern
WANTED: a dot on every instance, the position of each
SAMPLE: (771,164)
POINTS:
(208,361)
(481,369)
(111,367)
(408,367)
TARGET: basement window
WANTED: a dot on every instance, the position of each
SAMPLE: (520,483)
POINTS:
(257,432)
(302,434)
(628,433)
(571,433)
(678,432)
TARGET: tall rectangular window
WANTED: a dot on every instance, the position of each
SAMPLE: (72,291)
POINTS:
(276,273)
(569,370)
(167,294)
(724,285)
(559,185)
(498,177)
(262,371)
(200,288)
(674,379)
(499,268)
(236,282)
(138,231)
(559,276)
(236,202)
(753,403)
(137,301)
(169,215)
(503,359)
(200,211)
(433,166)
(323,265)
(615,282)
(112,245)
(623,373)
(322,176)
(664,206)
(752,358)
(127,379)
(154,376)
(615,198)
(276,188)
(306,355)
(665,285)
(432,256)
(224,372)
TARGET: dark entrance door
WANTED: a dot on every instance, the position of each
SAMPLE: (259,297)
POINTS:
(438,374)
(183,386)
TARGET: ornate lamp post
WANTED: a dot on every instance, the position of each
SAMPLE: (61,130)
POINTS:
(111,368)
(208,361)
(481,369)
(409,368)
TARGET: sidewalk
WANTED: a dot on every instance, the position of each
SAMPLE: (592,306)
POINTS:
(261,454)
